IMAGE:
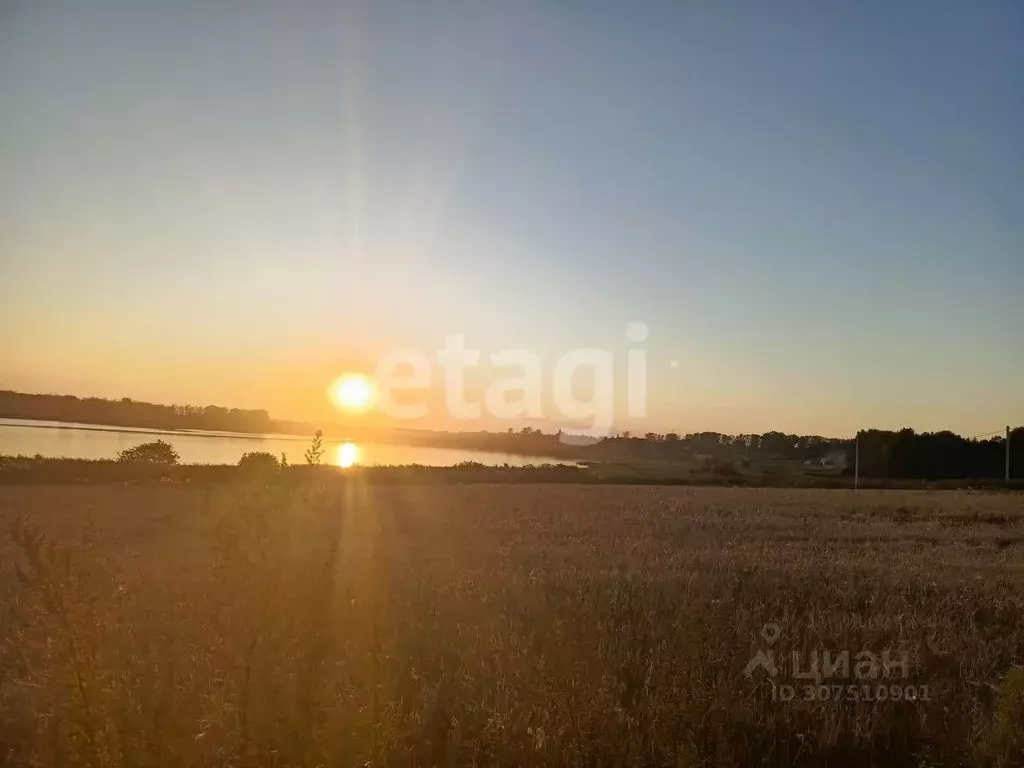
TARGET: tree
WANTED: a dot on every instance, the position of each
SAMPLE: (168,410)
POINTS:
(156,452)
(316,449)
(778,444)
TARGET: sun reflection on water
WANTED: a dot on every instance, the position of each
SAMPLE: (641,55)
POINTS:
(347,455)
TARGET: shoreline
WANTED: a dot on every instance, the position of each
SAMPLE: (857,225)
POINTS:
(126,430)
(259,436)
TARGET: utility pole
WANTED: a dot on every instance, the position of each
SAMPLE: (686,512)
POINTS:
(856,461)
(1007,455)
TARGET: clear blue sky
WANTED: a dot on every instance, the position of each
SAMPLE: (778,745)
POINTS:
(818,208)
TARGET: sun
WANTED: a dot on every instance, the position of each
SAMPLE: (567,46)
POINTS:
(352,392)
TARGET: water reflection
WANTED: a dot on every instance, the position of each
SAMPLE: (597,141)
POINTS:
(347,455)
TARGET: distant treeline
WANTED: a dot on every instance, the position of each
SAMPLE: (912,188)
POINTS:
(883,454)
(130,413)
(902,454)
(654,446)
(938,455)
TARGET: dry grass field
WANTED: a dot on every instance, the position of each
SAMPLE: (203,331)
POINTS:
(449,625)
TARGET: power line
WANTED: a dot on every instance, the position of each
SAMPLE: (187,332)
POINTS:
(986,434)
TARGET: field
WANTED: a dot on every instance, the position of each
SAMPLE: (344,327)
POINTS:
(347,623)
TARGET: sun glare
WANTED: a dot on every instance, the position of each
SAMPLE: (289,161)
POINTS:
(348,455)
(352,392)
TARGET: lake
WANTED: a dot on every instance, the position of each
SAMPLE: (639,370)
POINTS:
(96,441)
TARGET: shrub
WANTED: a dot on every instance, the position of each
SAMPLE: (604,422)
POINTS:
(156,452)
(726,469)
(259,461)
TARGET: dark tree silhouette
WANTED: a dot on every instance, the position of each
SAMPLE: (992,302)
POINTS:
(156,452)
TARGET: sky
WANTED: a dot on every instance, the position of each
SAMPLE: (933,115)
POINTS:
(817,209)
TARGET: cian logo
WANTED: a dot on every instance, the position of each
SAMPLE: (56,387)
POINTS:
(765,659)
